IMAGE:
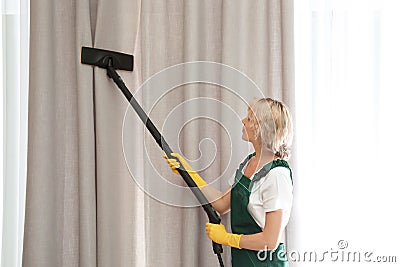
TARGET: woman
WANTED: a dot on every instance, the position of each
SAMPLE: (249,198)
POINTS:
(260,198)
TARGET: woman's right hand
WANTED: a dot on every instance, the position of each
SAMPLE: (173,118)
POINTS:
(220,201)
(175,165)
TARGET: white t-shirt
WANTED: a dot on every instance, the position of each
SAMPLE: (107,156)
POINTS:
(272,192)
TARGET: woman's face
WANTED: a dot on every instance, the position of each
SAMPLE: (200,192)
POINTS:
(247,132)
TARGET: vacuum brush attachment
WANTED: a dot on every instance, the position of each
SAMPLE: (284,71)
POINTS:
(101,58)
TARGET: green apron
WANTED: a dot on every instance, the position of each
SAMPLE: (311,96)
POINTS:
(243,223)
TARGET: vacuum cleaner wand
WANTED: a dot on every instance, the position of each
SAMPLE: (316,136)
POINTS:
(111,61)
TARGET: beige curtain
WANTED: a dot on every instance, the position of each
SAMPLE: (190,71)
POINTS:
(83,205)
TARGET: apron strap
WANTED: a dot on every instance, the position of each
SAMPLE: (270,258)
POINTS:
(264,170)
(241,166)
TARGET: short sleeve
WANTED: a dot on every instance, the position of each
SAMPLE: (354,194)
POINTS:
(276,191)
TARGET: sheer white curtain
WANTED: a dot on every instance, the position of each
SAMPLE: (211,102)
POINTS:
(14,92)
(347,108)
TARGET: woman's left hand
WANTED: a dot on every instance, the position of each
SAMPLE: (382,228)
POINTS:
(218,234)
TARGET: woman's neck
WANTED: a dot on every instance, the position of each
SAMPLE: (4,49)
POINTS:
(263,155)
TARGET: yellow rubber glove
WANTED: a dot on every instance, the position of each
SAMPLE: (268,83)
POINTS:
(174,164)
(218,234)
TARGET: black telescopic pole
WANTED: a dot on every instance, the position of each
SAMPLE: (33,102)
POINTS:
(211,213)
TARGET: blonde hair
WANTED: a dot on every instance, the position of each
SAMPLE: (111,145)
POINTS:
(271,120)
